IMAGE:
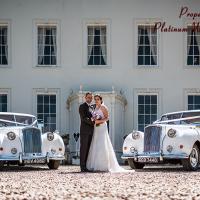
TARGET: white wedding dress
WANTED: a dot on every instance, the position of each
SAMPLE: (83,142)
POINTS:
(101,156)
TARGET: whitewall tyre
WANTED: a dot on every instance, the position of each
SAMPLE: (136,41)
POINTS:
(135,165)
(53,164)
(192,163)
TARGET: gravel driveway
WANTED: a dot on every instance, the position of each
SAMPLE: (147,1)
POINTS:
(38,182)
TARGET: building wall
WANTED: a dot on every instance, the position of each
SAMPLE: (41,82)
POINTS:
(170,78)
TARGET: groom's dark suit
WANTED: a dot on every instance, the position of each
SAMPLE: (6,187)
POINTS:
(86,133)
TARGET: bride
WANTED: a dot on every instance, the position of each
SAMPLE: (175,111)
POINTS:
(101,156)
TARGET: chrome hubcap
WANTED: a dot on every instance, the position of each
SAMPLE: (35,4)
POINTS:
(194,158)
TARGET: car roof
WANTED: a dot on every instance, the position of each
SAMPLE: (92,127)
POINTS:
(185,111)
(19,114)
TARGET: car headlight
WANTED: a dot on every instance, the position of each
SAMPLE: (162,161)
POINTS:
(171,133)
(50,136)
(133,150)
(135,135)
(169,148)
(13,150)
(11,135)
(53,151)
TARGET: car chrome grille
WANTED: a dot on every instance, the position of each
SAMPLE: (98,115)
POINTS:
(32,140)
(152,136)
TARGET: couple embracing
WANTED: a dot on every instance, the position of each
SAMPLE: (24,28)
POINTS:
(96,150)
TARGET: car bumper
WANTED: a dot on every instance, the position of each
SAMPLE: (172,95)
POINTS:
(160,156)
(32,157)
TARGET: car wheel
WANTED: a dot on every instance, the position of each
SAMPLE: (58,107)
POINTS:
(135,165)
(192,163)
(1,164)
(21,164)
(53,164)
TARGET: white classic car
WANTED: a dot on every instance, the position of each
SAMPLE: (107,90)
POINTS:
(166,141)
(22,142)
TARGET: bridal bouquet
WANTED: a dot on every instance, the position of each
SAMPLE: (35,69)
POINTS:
(96,116)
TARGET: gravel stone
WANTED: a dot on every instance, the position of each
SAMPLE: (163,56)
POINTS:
(152,182)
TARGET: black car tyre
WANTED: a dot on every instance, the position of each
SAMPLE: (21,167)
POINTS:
(135,165)
(53,164)
(192,163)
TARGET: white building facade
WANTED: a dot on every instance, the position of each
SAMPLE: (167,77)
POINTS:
(132,48)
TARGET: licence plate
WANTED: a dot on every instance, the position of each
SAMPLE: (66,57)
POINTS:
(148,160)
(35,161)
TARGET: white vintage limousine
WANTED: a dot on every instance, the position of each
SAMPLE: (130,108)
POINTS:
(22,142)
(166,141)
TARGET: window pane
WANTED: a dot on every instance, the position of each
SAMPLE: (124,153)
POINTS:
(154,99)
(140,99)
(46,108)
(141,109)
(141,119)
(97,49)
(190,107)
(53,109)
(96,60)
(147,60)
(40,117)
(3,98)
(140,60)
(197,100)
(53,118)
(39,99)
(141,127)
(47,45)
(193,47)
(47,60)
(40,109)
(193,102)
(197,106)
(147,50)
(153,118)
(53,99)
(141,50)
(153,109)
(3,103)
(147,119)
(147,45)
(147,110)
(147,99)
(190,60)
(46,111)
(4,45)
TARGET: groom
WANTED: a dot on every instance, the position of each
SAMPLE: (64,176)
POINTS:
(86,129)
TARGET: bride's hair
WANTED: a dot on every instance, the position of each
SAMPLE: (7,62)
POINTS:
(100,97)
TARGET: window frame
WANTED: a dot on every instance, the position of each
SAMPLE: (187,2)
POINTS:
(96,22)
(186,50)
(8,24)
(8,93)
(146,91)
(191,94)
(139,22)
(187,92)
(36,24)
(142,94)
(47,91)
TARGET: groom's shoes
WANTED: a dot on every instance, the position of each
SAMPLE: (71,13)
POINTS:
(84,169)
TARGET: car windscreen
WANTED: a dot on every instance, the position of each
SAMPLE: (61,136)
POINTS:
(7,117)
(190,114)
(24,120)
(7,120)
(171,116)
(192,120)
